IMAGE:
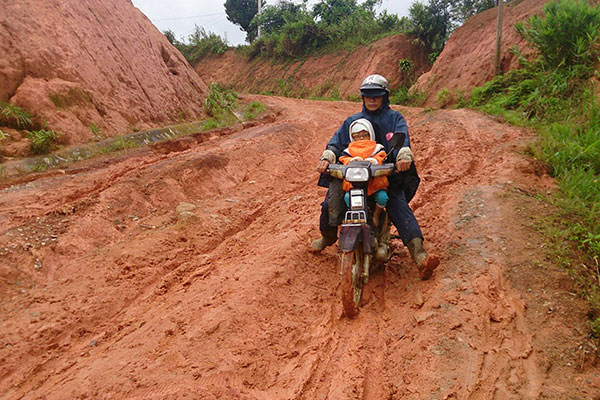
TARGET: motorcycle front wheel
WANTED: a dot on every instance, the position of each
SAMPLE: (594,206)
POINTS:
(353,264)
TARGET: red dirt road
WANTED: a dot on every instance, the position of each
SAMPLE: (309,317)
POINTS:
(110,288)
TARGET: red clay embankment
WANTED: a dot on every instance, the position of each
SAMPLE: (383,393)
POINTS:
(76,65)
(337,74)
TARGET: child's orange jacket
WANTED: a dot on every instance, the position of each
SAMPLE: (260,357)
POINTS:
(366,149)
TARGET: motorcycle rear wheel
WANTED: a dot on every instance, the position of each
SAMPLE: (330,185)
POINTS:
(352,280)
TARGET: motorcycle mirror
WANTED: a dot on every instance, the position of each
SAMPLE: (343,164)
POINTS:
(398,140)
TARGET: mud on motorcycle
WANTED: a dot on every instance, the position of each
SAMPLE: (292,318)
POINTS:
(362,243)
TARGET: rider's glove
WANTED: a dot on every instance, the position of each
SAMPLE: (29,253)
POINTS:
(405,154)
(371,160)
(328,155)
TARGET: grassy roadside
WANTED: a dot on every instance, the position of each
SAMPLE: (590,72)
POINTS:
(222,105)
(556,95)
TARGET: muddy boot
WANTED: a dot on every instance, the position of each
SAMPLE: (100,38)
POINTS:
(376,215)
(327,239)
(425,263)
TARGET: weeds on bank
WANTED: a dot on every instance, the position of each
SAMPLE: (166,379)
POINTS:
(39,166)
(210,124)
(97,132)
(221,103)
(14,117)
(404,95)
(555,95)
(200,44)
(43,141)
(254,109)
(119,144)
(300,34)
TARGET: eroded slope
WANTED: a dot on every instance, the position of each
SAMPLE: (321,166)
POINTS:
(78,65)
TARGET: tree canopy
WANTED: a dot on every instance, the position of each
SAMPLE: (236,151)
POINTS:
(333,11)
(433,22)
(274,17)
(241,12)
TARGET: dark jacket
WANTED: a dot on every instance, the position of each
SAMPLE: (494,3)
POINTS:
(384,120)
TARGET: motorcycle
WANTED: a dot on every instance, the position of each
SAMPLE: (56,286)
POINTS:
(362,243)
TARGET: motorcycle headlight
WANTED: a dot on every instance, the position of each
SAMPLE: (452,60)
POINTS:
(357,174)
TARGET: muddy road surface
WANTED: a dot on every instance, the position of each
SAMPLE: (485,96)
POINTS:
(184,273)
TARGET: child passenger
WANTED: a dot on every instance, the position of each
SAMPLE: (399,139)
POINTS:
(363,147)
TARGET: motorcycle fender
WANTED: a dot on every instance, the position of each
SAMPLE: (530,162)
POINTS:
(367,239)
(350,236)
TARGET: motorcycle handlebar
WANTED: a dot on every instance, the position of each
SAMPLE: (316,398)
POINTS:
(338,170)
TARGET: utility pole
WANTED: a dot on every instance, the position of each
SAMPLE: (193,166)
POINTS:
(498,38)
(259,11)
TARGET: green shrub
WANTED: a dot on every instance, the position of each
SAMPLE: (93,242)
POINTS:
(210,124)
(567,34)
(532,91)
(403,95)
(42,141)
(97,132)
(14,117)
(405,65)
(554,94)
(254,109)
(220,103)
(444,97)
(431,57)
(292,31)
(200,44)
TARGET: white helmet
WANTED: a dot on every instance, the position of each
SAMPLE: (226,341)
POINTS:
(374,86)
(362,124)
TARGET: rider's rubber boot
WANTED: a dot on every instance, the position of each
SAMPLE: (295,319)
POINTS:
(425,263)
(327,239)
(376,215)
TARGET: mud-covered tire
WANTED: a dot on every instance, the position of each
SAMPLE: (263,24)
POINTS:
(352,280)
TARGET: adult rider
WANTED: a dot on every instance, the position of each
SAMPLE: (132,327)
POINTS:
(403,185)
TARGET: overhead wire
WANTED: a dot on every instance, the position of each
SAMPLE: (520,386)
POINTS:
(193,16)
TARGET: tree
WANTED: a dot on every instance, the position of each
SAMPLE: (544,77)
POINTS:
(273,18)
(241,12)
(430,23)
(331,12)
(170,36)
(462,10)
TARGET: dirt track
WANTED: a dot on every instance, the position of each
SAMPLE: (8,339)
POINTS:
(107,292)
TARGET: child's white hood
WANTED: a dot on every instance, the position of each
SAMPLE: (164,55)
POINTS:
(362,124)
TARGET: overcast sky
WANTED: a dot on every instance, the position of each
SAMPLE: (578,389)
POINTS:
(181,15)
